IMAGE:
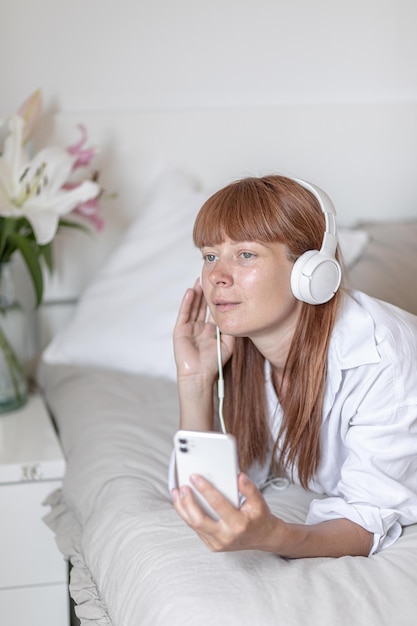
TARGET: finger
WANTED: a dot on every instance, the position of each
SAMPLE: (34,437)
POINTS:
(187,507)
(218,502)
(199,308)
(193,306)
(179,501)
(247,488)
(197,285)
(254,502)
(185,308)
(190,307)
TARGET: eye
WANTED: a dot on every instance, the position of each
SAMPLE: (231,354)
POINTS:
(248,255)
(210,257)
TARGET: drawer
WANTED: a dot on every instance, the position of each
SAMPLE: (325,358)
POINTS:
(29,554)
(35,606)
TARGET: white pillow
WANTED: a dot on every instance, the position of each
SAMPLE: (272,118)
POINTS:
(125,318)
(353,243)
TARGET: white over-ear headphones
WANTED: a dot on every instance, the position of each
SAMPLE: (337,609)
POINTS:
(316,274)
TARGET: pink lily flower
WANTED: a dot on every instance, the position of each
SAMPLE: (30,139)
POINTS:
(83,155)
(35,188)
(90,209)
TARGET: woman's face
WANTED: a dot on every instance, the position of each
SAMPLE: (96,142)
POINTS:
(247,288)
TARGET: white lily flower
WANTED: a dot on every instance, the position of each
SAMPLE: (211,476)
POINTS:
(34,188)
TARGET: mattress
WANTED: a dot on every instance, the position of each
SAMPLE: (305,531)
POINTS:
(134,561)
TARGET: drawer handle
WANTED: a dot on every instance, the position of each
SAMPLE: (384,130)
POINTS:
(31,472)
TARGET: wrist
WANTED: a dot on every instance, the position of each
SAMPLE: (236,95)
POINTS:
(205,375)
(195,394)
(277,536)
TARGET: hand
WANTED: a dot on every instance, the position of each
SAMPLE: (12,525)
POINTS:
(195,337)
(252,527)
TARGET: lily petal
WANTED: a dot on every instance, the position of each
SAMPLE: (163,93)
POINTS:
(30,111)
(43,211)
(13,153)
(83,155)
(58,166)
(6,186)
(90,210)
(44,226)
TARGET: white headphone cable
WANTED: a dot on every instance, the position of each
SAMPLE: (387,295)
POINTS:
(220,382)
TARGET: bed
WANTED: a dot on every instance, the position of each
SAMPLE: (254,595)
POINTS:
(109,379)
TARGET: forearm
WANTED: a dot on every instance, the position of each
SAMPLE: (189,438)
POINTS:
(196,403)
(254,527)
(334,538)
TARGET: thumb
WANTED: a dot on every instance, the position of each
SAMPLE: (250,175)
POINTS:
(246,487)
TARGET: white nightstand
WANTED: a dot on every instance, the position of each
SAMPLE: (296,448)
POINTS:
(33,573)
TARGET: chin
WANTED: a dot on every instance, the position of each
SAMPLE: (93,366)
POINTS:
(232,332)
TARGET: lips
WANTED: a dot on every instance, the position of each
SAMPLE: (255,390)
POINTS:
(225,305)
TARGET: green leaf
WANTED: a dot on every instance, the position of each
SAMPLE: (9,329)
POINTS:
(7,226)
(31,256)
(47,255)
(76,225)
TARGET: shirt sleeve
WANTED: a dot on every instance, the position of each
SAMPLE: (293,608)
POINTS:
(383,524)
(378,485)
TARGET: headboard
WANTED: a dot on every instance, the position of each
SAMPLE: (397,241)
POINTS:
(363,154)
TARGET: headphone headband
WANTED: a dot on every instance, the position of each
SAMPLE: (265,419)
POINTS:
(316,274)
(329,243)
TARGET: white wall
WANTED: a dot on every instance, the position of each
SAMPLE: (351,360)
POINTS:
(123,54)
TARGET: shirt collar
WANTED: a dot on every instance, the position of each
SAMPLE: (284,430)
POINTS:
(353,340)
(352,344)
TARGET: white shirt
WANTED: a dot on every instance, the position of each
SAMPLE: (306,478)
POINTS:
(368,467)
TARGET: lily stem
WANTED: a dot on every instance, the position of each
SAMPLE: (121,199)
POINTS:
(13,364)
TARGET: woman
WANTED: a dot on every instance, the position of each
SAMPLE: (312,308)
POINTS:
(325,392)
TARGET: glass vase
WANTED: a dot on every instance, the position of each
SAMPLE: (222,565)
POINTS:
(13,330)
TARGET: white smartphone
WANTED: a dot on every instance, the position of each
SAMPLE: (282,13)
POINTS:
(212,455)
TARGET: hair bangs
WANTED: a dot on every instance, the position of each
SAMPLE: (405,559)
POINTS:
(240,212)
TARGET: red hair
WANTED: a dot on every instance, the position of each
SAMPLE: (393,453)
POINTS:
(274,209)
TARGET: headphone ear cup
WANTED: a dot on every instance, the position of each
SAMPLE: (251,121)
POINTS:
(315,277)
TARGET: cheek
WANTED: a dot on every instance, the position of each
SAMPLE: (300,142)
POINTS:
(275,288)
(281,277)
(274,281)
(253,278)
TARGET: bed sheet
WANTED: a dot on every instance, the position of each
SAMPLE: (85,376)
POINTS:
(135,563)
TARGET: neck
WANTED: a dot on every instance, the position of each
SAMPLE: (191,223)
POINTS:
(275,346)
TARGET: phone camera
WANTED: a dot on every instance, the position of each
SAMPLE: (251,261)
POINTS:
(182,440)
(183,449)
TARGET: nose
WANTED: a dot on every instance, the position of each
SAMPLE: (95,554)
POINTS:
(220,274)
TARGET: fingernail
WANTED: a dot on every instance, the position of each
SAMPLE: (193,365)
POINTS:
(245,479)
(195,479)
